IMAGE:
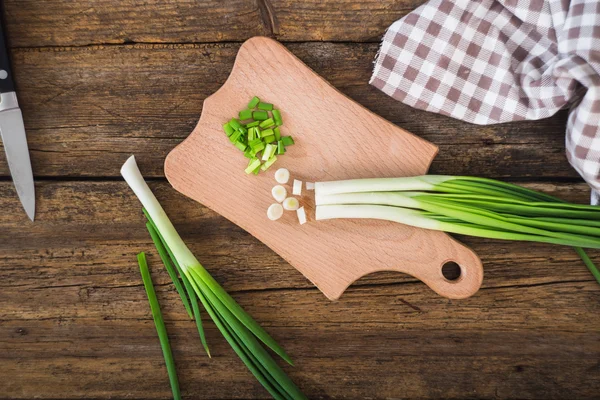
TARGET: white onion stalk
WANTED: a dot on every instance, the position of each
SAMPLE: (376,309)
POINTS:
(465,205)
(238,327)
(297,188)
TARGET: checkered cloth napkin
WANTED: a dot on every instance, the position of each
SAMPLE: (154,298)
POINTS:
(492,61)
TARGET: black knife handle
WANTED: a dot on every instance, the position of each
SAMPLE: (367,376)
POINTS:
(6,78)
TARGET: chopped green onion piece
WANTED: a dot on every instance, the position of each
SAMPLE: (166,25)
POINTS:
(268,164)
(240,146)
(265,106)
(258,147)
(269,139)
(280,148)
(245,114)
(260,115)
(242,129)
(252,165)
(254,142)
(248,152)
(228,129)
(277,117)
(159,324)
(277,133)
(269,152)
(235,124)
(254,102)
(267,132)
(252,124)
(235,136)
(287,140)
(267,123)
(257,170)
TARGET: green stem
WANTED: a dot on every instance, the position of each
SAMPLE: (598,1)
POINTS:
(160,325)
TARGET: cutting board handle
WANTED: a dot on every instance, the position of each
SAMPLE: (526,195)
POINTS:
(427,265)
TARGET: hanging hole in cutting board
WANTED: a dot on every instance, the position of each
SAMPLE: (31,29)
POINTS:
(451,271)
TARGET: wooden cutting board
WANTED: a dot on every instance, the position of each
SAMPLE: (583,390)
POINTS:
(336,138)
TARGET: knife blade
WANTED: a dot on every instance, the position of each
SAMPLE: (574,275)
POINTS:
(12,131)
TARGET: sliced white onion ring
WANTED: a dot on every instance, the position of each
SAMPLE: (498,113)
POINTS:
(275,211)
(282,176)
(291,204)
(279,193)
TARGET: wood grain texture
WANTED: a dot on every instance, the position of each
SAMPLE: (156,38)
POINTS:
(74,320)
(84,22)
(330,131)
(86,108)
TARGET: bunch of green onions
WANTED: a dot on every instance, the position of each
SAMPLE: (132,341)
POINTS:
(240,330)
(465,205)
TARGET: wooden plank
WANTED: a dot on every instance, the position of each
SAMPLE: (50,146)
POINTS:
(86,109)
(77,23)
(96,358)
(74,320)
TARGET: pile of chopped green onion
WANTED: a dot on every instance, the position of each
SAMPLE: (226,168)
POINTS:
(465,205)
(257,133)
(240,330)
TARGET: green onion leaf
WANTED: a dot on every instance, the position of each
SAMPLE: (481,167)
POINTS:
(160,325)
(268,164)
(252,124)
(240,145)
(265,106)
(252,165)
(277,117)
(245,114)
(260,115)
(267,123)
(254,102)
(228,129)
(287,140)
(235,124)
(280,148)
(277,133)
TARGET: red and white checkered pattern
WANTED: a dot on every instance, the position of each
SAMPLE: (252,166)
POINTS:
(492,61)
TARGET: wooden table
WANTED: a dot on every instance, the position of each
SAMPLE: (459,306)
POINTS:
(100,80)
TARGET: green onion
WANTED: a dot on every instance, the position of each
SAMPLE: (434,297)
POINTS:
(265,106)
(277,117)
(287,140)
(254,102)
(235,136)
(240,146)
(245,114)
(465,205)
(160,325)
(235,124)
(251,140)
(267,123)
(240,330)
(268,164)
(260,115)
(228,129)
(280,148)
(269,152)
(252,165)
(267,132)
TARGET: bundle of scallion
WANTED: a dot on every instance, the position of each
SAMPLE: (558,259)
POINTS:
(240,330)
(465,205)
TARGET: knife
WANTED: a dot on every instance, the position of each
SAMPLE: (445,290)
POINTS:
(12,132)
